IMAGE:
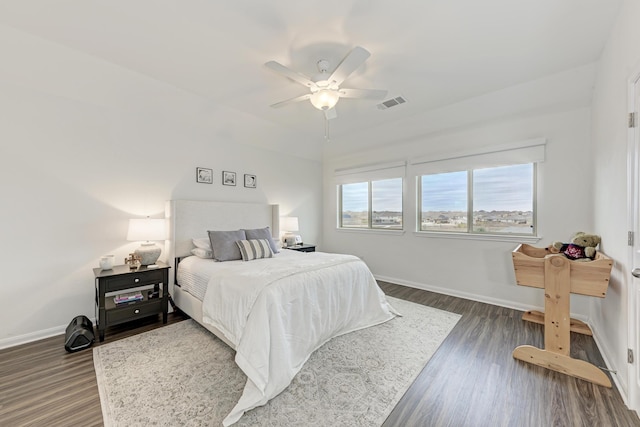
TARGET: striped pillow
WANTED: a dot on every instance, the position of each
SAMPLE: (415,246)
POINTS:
(254,249)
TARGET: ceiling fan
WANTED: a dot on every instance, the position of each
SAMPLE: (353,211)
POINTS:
(325,90)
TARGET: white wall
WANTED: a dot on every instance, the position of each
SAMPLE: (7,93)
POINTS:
(620,59)
(85,146)
(479,270)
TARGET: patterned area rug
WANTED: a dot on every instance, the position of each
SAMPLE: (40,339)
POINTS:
(182,375)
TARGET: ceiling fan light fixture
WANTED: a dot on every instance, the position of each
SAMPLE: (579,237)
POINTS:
(325,99)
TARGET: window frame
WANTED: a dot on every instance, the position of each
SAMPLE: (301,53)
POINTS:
(469,233)
(370,227)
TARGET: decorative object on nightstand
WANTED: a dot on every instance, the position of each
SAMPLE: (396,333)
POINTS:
(123,294)
(133,261)
(146,230)
(107,262)
(289,224)
(302,248)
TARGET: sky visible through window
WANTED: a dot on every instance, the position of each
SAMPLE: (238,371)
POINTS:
(505,188)
(355,197)
(386,195)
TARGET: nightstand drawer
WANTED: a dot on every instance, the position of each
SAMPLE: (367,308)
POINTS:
(133,311)
(131,280)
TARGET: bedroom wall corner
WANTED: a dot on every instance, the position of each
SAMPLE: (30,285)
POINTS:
(619,60)
(89,146)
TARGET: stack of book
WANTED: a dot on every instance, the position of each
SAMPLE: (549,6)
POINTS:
(128,297)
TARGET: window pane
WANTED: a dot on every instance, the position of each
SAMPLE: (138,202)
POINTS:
(355,205)
(386,203)
(503,200)
(444,202)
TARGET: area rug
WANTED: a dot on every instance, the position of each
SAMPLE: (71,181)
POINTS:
(182,375)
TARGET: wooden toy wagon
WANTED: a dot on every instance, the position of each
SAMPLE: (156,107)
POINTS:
(559,277)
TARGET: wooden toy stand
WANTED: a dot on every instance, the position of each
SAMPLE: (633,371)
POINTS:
(559,277)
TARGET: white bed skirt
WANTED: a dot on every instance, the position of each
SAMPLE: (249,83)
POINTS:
(192,306)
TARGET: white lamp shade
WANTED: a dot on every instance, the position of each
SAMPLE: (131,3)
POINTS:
(325,99)
(146,229)
(289,223)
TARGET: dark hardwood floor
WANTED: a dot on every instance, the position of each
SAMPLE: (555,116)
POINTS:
(471,380)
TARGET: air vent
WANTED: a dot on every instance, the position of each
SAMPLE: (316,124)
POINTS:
(391,103)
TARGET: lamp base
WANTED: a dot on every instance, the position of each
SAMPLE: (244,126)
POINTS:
(148,253)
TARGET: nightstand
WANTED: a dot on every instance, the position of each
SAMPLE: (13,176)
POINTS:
(122,279)
(302,248)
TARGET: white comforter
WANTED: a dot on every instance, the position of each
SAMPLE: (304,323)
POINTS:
(283,309)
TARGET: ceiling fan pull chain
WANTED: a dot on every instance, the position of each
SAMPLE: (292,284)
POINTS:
(326,129)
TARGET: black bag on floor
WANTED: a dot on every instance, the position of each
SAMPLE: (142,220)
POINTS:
(79,334)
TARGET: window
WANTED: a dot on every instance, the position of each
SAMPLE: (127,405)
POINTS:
(371,204)
(355,205)
(498,200)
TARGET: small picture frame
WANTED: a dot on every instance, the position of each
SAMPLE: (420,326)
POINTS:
(250,181)
(204,175)
(228,178)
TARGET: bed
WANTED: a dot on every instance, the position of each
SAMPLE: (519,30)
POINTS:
(273,311)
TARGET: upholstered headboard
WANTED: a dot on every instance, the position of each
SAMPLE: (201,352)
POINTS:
(192,218)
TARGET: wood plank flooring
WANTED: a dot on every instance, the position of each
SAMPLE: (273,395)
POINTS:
(472,380)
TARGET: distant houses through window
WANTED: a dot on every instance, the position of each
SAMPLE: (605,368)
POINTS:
(498,200)
(484,192)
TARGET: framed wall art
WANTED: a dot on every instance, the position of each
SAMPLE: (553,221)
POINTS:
(228,178)
(250,181)
(204,175)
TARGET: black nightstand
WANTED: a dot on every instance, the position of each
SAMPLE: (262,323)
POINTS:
(302,248)
(121,279)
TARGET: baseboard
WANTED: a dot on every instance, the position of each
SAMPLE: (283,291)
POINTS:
(470,296)
(33,336)
(514,306)
(622,389)
(40,335)
(460,294)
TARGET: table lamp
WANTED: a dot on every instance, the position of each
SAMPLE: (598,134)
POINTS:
(289,224)
(145,230)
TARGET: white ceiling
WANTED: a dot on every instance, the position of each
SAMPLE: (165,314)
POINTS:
(435,53)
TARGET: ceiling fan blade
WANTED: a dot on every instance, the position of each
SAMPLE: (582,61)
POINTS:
(331,113)
(296,77)
(291,101)
(363,93)
(349,64)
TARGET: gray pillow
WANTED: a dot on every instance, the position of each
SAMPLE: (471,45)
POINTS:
(262,233)
(224,245)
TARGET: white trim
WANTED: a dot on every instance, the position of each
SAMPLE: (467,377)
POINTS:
(473,236)
(376,172)
(371,231)
(35,336)
(370,168)
(632,392)
(612,368)
(532,151)
(479,151)
(467,295)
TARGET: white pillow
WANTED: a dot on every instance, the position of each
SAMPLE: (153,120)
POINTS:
(202,253)
(202,243)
